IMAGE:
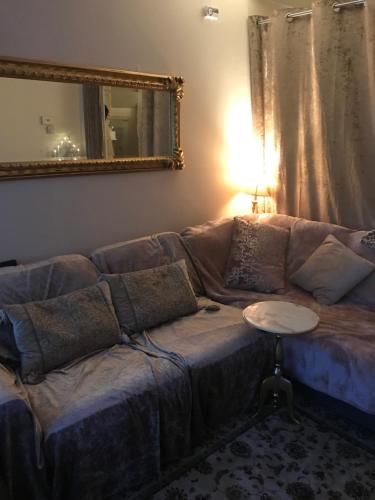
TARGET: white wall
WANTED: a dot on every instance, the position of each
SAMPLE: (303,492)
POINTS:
(40,218)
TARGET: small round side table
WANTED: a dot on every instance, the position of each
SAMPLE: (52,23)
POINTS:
(279,319)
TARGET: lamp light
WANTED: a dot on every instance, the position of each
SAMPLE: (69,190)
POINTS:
(258,190)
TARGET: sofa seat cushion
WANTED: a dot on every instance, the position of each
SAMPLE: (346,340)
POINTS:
(104,419)
(226,359)
(338,357)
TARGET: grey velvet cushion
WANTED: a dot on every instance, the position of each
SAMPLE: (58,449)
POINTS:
(51,333)
(146,298)
(257,257)
(39,281)
(331,271)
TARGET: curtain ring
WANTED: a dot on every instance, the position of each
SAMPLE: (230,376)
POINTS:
(289,18)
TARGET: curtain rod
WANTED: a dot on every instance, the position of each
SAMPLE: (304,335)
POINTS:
(336,7)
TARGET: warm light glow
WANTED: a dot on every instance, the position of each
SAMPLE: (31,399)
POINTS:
(240,154)
(246,165)
(240,204)
(245,168)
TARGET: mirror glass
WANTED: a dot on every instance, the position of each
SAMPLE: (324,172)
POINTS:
(48,120)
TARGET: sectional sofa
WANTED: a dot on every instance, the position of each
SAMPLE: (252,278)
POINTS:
(110,420)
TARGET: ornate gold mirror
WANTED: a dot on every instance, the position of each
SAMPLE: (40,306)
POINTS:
(67,120)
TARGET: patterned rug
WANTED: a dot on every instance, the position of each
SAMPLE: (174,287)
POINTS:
(326,457)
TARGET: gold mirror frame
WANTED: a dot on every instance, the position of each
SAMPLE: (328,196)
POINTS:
(38,70)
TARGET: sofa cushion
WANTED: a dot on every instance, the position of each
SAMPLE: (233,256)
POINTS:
(45,279)
(144,299)
(306,236)
(39,281)
(145,253)
(331,271)
(53,332)
(257,257)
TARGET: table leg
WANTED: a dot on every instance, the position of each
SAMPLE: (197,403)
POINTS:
(286,386)
(268,385)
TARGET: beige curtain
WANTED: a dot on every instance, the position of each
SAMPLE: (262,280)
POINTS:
(313,105)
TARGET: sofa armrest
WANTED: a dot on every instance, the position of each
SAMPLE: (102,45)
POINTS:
(23,477)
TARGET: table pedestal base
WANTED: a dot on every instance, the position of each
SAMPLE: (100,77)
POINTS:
(275,384)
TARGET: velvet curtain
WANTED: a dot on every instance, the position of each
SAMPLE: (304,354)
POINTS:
(93,121)
(313,106)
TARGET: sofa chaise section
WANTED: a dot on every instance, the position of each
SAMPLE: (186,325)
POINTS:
(338,357)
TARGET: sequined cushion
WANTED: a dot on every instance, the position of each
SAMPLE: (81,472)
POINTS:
(146,298)
(257,257)
(53,332)
(369,239)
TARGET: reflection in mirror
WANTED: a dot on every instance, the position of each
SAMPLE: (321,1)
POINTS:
(45,120)
(39,119)
(136,123)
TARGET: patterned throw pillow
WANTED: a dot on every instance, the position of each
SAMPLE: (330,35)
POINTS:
(257,257)
(53,332)
(369,239)
(149,297)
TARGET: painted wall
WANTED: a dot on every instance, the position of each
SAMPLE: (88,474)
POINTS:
(41,218)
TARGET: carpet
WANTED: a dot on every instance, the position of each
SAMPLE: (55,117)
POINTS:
(326,457)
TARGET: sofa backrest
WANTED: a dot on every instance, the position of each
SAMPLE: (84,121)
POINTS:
(144,253)
(45,279)
(210,244)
